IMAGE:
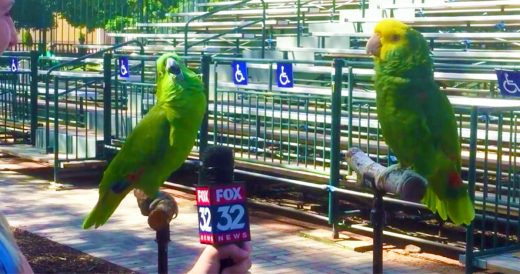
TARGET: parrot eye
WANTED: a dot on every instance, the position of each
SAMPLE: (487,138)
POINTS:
(172,66)
(395,37)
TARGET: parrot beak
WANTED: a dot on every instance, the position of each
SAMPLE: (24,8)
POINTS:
(374,45)
(173,68)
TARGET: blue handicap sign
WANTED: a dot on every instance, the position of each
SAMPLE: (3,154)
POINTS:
(284,75)
(124,70)
(14,65)
(239,72)
(508,82)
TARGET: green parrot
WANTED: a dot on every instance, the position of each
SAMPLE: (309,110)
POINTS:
(417,119)
(159,144)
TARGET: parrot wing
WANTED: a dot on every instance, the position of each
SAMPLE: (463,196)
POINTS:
(443,126)
(446,194)
(145,146)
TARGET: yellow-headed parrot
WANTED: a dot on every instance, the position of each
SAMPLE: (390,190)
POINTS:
(159,144)
(417,119)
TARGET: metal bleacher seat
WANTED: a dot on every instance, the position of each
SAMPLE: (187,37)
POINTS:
(244,13)
(180,35)
(235,24)
(451,21)
(453,7)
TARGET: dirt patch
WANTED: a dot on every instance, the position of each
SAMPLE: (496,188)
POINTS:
(46,256)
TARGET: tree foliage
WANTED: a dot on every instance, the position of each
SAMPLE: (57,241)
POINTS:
(113,14)
(110,14)
(93,14)
(33,14)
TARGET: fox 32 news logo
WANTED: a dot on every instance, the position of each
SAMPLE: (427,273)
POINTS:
(222,214)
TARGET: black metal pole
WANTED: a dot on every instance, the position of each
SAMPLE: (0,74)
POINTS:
(470,238)
(34,96)
(162,237)
(107,101)
(335,157)
(205,70)
(377,218)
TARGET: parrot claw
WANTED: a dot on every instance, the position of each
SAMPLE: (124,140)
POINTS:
(390,169)
(393,167)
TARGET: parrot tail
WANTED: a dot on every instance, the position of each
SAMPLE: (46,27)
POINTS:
(458,209)
(105,207)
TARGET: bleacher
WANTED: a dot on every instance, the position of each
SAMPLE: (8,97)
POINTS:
(218,24)
(280,131)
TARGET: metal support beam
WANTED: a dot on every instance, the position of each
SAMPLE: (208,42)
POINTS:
(34,96)
(471,187)
(107,101)
(335,143)
(203,135)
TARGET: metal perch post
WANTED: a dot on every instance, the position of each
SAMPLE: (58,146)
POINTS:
(404,183)
(160,212)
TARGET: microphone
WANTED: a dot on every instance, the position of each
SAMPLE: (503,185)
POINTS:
(222,213)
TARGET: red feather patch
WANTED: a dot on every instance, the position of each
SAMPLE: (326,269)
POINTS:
(454,179)
(134,176)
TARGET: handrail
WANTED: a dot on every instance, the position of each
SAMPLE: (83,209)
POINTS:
(298,23)
(55,67)
(224,33)
(228,7)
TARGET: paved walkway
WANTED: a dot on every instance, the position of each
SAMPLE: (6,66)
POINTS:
(126,239)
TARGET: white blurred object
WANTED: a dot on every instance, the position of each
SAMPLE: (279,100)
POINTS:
(11,259)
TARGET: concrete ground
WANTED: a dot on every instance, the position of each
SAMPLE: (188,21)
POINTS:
(126,240)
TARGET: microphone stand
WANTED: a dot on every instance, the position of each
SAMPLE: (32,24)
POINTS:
(160,212)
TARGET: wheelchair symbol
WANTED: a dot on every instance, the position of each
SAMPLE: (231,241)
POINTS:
(239,76)
(284,79)
(510,86)
(123,70)
(14,65)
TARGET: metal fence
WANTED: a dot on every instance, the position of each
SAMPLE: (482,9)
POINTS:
(279,128)
(74,113)
(293,129)
(304,128)
(131,98)
(271,125)
(494,178)
(17,98)
(76,109)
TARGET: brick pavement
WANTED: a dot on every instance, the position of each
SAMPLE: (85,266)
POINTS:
(126,239)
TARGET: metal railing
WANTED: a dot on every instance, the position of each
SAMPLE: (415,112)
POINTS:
(131,99)
(80,101)
(275,127)
(68,63)
(494,182)
(17,99)
(301,130)
(298,131)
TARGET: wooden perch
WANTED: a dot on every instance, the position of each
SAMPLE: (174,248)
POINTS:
(160,211)
(405,183)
